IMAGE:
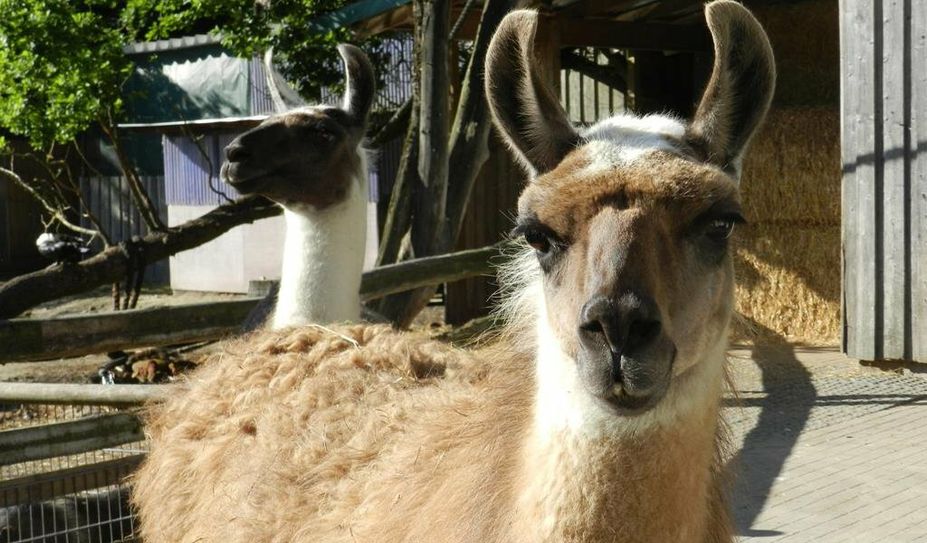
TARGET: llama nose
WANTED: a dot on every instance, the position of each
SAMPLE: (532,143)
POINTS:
(236,152)
(625,324)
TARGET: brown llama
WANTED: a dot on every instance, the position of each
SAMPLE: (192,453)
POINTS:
(595,418)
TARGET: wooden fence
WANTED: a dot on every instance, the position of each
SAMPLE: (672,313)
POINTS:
(884,153)
(76,335)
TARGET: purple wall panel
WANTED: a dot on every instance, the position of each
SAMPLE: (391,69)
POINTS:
(191,170)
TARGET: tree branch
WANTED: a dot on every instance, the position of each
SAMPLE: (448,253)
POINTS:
(137,190)
(430,196)
(84,206)
(54,212)
(393,127)
(56,281)
(468,152)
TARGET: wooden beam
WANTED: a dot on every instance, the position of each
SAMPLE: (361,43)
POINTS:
(397,19)
(66,438)
(54,484)
(641,36)
(612,76)
(80,394)
(433,270)
(600,8)
(77,335)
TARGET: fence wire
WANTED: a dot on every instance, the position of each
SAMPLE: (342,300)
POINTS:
(82,498)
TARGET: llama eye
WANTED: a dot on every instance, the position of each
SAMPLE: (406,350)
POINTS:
(719,230)
(538,240)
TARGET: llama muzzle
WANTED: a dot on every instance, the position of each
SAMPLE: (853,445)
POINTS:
(625,357)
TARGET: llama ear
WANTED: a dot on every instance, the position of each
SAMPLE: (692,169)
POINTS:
(740,89)
(524,107)
(281,93)
(360,83)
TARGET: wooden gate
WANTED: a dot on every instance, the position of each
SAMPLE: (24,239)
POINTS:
(884,152)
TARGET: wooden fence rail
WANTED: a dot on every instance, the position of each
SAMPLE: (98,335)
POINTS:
(72,437)
(78,394)
(77,335)
(38,487)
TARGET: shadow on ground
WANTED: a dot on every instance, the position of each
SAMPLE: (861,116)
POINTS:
(790,396)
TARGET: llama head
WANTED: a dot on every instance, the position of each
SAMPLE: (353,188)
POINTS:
(307,156)
(630,219)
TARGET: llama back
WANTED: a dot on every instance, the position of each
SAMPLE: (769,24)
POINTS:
(335,446)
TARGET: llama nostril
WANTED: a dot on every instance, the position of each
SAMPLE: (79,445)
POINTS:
(625,324)
(641,332)
(236,153)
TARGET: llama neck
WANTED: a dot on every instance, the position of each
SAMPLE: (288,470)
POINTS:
(589,474)
(323,259)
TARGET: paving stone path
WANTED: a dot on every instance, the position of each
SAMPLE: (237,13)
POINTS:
(828,450)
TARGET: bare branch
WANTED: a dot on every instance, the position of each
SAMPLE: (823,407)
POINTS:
(393,127)
(84,206)
(136,189)
(198,141)
(56,213)
(29,290)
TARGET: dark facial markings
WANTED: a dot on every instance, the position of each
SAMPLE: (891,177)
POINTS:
(709,232)
(302,157)
(548,245)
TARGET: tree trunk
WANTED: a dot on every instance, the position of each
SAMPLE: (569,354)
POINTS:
(399,213)
(468,152)
(430,195)
(56,281)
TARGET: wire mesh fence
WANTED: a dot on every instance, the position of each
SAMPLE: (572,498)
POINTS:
(67,489)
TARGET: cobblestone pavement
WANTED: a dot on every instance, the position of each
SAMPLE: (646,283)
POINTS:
(828,450)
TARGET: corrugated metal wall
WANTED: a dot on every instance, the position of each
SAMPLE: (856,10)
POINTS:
(884,153)
(110,201)
(191,170)
(261,101)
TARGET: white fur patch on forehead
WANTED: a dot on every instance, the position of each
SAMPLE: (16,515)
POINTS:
(623,139)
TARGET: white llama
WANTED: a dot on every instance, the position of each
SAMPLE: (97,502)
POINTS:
(310,160)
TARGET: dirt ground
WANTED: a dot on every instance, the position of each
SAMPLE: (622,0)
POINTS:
(101,299)
(81,369)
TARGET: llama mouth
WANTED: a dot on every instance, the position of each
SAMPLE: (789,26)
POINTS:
(243,184)
(630,385)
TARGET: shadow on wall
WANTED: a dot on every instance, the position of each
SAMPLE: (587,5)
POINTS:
(790,396)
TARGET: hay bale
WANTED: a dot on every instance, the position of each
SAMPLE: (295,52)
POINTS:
(805,37)
(788,257)
(792,171)
(788,283)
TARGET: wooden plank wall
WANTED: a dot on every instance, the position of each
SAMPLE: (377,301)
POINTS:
(884,153)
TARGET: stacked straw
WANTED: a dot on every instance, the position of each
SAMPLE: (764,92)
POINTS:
(787,258)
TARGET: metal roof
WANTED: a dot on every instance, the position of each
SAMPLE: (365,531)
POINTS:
(173,44)
(230,123)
